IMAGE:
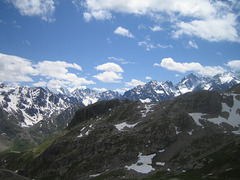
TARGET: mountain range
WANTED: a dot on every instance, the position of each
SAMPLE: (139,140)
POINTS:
(155,91)
(27,111)
(191,136)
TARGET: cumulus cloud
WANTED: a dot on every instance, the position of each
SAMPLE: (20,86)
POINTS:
(170,64)
(109,67)
(134,82)
(209,20)
(123,32)
(214,30)
(43,8)
(16,69)
(56,69)
(112,73)
(109,77)
(234,64)
(59,74)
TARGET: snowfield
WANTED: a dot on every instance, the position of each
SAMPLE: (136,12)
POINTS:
(233,119)
(143,165)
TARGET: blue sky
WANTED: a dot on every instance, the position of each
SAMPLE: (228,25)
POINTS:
(116,45)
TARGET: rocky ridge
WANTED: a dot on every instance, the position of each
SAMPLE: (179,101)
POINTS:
(155,91)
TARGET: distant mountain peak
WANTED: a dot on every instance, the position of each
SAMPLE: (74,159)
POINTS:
(157,91)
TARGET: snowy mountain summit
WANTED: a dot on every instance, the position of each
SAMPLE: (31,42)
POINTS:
(29,105)
(155,91)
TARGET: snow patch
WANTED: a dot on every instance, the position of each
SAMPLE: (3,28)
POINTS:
(148,109)
(87,101)
(226,79)
(94,175)
(147,100)
(86,132)
(190,132)
(233,119)
(159,91)
(196,117)
(162,150)
(160,163)
(237,132)
(177,132)
(143,165)
(121,126)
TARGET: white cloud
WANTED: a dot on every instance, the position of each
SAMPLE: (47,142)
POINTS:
(142,26)
(109,67)
(40,84)
(193,44)
(77,4)
(43,8)
(207,19)
(59,75)
(156,28)
(214,30)
(57,69)
(147,44)
(164,46)
(121,60)
(148,78)
(98,15)
(87,16)
(112,73)
(16,69)
(234,64)
(109,77)
(100,89)
(134,82)
(27,42)
(123,32)
(170,64)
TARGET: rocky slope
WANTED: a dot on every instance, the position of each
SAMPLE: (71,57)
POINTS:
(195,135)
(29,115)
(30,104)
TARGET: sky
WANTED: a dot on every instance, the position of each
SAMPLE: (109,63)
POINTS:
(116,45)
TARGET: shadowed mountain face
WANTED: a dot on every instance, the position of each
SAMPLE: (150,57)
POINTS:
(194,135)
